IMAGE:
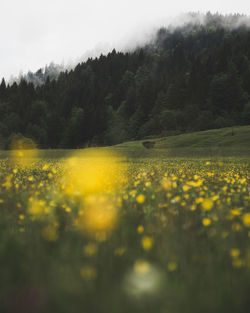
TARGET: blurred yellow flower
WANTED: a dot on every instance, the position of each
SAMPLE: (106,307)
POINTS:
(88,272)
(140,198)
(90,249)
(140,229)
(206,221)
(234,253)
(246,219)
(147,242)
(185,188)
(23,152)
(36,207)
(141,267)
(93,171)
(207,204)
(236,212)
(99,217)
(172,266)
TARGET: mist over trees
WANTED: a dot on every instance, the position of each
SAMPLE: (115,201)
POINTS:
(192,77)
(39,77)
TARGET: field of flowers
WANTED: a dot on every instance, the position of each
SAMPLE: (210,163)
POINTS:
(97,232)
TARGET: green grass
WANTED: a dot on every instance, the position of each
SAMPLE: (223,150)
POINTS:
(212,143)
(209,143)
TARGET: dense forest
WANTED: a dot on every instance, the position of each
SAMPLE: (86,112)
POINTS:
(192,77)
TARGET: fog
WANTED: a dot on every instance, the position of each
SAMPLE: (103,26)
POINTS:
(35,33)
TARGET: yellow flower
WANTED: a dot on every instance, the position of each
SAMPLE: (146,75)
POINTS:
(99,217)
(236,212)
(93,171)
(45,167)
(234,253)
(177,198)
(7,183)
(236,227)
(207,204)
(140,198)
(147,242)
(68,209)
(199,200)
(237,263)
(90,249)
(206,221)
(193,207)
(36,207)
(140,229)
(172,266)
(185,188)
(141,267)
(246,219)
(166,184)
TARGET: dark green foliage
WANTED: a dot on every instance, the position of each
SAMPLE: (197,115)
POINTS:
(74,131)
(194,77)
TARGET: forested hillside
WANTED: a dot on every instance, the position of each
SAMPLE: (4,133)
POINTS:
(193,77)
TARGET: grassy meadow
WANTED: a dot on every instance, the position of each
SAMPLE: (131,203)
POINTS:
(126,229)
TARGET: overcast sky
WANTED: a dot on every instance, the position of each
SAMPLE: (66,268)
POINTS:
(35,32)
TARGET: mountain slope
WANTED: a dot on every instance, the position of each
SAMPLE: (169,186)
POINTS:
(190,78)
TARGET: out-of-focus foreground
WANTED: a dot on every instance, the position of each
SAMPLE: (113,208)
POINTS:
(98,232)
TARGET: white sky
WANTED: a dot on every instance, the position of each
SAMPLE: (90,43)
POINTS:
(35,32)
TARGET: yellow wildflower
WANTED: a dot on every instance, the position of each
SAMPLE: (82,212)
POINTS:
(147,242)
(207,204)
(206,221)
(140,229)
(140,198)
(246,219)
